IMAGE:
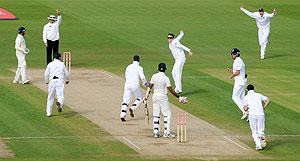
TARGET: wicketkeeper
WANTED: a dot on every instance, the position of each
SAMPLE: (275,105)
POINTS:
(160,82)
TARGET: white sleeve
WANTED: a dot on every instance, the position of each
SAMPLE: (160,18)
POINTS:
(168,83)
(178,44)
(248,13)
(263,98)
(45,35)
(59,19)
(270,15)
(18,44)
(142,75)
(152,80)
(179,37)
(46,74)
(66,73)
(245,102)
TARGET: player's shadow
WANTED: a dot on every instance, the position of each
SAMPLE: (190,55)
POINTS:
(275,56)
(69,114)
(197,91)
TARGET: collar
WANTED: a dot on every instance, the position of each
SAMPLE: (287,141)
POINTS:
(136,62)
(251,91)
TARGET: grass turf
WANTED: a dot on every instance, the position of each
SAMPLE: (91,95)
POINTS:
(105,34)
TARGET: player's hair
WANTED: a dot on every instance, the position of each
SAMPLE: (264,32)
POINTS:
(250,87)
(170,34)
(261,10)
(136,58)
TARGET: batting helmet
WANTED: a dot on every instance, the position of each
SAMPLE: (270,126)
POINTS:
(162,67)
(21,30)
(235,51)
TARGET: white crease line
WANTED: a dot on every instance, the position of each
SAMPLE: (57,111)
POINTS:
(107,74)
(131,143)
(235,143)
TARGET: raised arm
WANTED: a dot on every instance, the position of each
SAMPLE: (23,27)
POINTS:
(59,19)
(180,36)
(248,13)
(273,13)
(178,44)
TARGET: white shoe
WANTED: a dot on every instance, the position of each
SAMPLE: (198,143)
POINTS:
(48,114)
(262,57)
(156,134)
(245,114)
(258,148)
(25,82)
(15,82)
(263,142)
(169,135)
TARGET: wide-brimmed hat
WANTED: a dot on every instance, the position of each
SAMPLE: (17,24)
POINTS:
(52,17)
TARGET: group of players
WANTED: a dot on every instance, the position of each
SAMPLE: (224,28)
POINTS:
(252,105)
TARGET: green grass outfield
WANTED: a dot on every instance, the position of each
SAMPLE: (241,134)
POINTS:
(105,34)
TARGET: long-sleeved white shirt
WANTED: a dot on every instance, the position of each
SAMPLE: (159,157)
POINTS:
(20,44)
(134,73)
(177,49)
(56,68)
(262,22)
(51,30)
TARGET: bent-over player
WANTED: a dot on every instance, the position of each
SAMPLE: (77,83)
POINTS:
(255,103)
(238,72)
(263,24)
(54,77)
(177,50)
(133,74)
(161,83)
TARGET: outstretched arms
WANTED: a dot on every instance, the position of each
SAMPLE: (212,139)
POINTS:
(247,12)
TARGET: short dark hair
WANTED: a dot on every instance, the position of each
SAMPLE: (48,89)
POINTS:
(162,67)
(170,34)
(250,87)
(261,10)
(136,58)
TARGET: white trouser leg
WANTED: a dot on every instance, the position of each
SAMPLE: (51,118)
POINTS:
(60,92)
(166,111)
(138,95)
(253,121)
(51,94)
(263,36)
(21,70)
(177,73)
(261,125)
(238,95)
(156,114)
(126,100)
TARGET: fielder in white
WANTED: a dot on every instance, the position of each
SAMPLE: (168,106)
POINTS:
(161,83)
(133,74)
(255,103)
(21,52)
(263,24)
(177,50)
(54,77)
(238,72)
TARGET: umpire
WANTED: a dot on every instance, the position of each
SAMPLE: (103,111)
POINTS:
(51,35)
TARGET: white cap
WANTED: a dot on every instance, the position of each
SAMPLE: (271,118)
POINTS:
(52,17)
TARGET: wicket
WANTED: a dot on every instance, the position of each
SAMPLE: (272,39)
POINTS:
(181,128)
(67,60)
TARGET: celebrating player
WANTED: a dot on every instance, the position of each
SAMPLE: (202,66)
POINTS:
(238,72)
(177,51)
(255,103)
(263,24)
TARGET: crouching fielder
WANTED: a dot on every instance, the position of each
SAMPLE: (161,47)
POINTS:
(161,83)
(255,104)
(54,77)
(133,74)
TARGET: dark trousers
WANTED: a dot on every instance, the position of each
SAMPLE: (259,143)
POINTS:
(52,46)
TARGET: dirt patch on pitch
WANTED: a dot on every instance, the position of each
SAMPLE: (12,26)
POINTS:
(4,151)
(97,95)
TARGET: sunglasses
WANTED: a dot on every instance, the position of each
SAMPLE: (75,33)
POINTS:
(170,37)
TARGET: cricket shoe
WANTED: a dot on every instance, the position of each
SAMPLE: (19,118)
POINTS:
(258,148)
(262,57)
(156,135)
(59,109)
(15,82)
(48,114)
(169,135)
(245,114)
(25,81)
(263,142)
(123,119)
(131,112)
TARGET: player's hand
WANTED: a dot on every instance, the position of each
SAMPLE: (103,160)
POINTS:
(274,11)
(190,53)
(181,31)
(67,82)
(46,45)
(241,7)
(58,12)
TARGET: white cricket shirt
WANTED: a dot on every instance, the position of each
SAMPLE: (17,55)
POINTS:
(134,73)
(20,44)
(56,68)
(238,64)
(254,102)
(160,83)
(262,22)
(51,30)
(177,49)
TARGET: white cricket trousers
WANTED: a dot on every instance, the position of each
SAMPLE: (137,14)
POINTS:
(263,38)
(129,90)
(21,70)
(161,104)
(257,125)
(55,87)
(177,73)
(238,94)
